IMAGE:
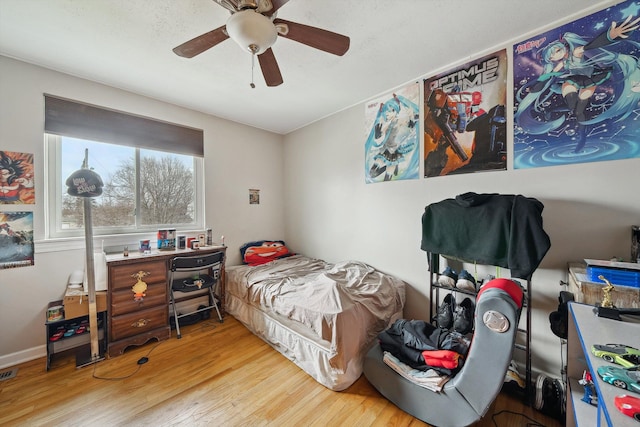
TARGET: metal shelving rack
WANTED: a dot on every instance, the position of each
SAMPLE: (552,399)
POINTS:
(434,271)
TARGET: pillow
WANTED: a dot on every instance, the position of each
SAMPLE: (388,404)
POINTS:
(263,251)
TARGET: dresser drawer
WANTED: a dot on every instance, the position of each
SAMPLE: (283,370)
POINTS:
(138,322)
(122,301)
(123,276)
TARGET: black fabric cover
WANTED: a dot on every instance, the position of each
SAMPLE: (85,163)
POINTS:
(407,339)
(492,229)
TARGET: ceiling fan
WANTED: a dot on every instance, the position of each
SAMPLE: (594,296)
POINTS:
(254,26)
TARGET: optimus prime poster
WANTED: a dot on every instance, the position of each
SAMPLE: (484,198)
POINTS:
(464,118)
(392,149)
(576,91)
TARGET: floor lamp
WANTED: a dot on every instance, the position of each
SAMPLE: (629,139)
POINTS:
(86,184)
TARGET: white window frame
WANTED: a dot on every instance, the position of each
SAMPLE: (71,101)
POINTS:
(56,187)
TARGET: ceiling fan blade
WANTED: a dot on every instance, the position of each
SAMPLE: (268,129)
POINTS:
(327,41)
(201,43)
(277,4)
(270,69)
(230,5)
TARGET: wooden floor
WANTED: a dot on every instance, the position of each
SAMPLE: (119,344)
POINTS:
(217,374)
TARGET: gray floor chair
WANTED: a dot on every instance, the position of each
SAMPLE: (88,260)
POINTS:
(468,395)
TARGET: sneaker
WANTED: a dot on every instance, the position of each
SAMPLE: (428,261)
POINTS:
(466,281)
(550,397)
(486,280)
(448,278)
(513,376)
(463,316)
(444,318)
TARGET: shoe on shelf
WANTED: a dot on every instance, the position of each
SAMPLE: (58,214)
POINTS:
(466,281)
(513,376)
(550,397)
(448,278)
(463,316)
(444,317)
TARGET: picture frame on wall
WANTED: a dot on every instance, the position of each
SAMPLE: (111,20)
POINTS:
(392,147)
(465,118)
(576,91)
(16,239)
(16,178)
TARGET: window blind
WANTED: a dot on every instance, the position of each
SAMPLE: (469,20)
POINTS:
(84,121)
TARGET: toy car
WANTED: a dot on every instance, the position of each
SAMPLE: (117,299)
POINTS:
(628,405)
(624,378)
(622,355)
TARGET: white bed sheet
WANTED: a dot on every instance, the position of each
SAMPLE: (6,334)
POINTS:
(321,316)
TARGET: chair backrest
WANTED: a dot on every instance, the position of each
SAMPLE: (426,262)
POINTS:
(196,262)
(498,307)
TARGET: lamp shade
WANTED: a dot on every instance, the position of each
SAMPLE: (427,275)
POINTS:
(252,31)
(84,183)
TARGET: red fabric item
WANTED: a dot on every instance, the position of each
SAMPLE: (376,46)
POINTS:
(509,286)
(442,358)
(266,252)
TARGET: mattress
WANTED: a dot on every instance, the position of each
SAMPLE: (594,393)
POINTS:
(321,316)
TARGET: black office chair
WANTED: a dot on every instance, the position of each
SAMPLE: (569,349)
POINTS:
(212,263)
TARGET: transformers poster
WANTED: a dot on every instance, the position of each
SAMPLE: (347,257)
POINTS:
(16,239)
(392,123)
(464,118)
(576,91)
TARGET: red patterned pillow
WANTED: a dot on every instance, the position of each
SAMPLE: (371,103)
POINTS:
(263,251)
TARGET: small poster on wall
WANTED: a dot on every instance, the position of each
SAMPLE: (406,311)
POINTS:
(16,178)
(254,196)
(576,91)
(392,149)
(465,118)
(16,239)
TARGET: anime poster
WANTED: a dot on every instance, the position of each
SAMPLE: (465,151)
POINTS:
(576,91)
(392,150)
(16,239)
(16,178)
(464,118)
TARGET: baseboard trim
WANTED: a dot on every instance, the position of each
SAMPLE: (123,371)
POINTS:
(23,356)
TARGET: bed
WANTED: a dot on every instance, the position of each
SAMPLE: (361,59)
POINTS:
(322,316)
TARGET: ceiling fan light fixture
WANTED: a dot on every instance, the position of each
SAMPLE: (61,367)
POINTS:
(250,30)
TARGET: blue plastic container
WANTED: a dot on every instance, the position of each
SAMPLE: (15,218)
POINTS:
(614,275)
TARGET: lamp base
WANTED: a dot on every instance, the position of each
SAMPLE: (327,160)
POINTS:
(84,357)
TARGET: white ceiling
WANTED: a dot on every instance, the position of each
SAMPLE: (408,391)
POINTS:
(128,44)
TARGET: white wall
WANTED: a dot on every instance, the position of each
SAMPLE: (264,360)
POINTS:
(237,158)
(332,214)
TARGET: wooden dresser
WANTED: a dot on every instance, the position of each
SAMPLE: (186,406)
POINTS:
(137,315)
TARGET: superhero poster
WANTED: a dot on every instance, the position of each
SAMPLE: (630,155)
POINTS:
(392,149)
(576,91)
(16,178)
(464,118)
(16,239)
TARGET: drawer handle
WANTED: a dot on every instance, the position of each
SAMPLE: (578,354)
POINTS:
(140,323)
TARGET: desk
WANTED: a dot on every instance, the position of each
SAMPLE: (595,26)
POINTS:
(586,329)
(135,318)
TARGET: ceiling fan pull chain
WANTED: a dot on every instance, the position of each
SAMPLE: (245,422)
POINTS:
(253,61)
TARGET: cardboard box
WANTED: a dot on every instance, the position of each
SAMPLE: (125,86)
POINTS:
(78,305)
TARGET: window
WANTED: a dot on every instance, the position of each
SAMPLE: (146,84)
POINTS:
(146,186)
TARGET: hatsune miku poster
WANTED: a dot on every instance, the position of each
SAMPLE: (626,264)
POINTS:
(392,123)
(465,118)
(577,89)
